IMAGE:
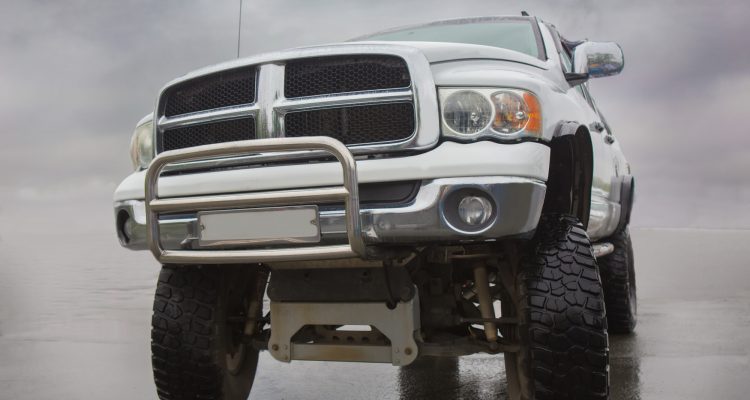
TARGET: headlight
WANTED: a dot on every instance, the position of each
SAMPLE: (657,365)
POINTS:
(467,112)
(489,112)
(142,144)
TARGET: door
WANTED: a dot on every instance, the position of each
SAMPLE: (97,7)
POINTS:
(605,190)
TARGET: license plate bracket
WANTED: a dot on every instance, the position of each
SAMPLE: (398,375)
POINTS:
(259,226)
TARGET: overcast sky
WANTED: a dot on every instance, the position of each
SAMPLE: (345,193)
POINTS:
(75,77)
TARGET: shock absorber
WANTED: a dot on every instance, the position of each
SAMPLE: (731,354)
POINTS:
(482,284)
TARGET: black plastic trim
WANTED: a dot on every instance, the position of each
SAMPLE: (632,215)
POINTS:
(627,198)
(340,285)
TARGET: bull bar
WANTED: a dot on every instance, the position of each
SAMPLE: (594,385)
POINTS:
(348,193)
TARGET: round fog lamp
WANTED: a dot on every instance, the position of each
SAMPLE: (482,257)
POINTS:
(474,210)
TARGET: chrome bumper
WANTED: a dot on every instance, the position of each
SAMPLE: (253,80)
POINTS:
(518,203)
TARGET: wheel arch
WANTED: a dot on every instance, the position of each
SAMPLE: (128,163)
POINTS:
(571,171)
(627,198)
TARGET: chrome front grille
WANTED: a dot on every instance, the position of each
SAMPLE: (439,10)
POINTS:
(223,89)
(342,74)
(372,98)
(354,125)
(209,133)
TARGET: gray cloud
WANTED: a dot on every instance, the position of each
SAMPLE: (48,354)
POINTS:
(77,75)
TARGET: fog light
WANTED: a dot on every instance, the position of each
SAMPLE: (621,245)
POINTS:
(474,210)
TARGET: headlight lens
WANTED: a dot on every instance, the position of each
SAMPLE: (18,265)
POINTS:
(467,112)
(513,113)
(142,145)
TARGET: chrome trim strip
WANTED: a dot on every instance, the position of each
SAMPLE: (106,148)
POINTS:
(244,160)
(286,197)
(270,89)
(349,193)
(202,117)
(255,256)
(340,100)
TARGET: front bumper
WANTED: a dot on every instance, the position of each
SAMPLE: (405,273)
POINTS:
(518,206)
(165,220)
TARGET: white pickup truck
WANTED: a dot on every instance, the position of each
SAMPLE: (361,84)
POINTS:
(434,190)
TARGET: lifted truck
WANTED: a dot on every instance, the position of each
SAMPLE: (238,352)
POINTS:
(435,190)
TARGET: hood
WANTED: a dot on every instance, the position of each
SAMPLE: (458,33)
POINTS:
(443,51)
(434,52)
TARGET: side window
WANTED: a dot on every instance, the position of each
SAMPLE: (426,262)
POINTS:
(567,65)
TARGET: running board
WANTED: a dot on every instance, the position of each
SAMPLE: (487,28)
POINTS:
(398,326)
(602,249)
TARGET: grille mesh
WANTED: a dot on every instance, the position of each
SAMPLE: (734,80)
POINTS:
(229,88)
(340,74)
(215,132)
(354,125)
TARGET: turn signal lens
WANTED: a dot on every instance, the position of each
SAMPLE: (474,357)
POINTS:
(515,112)
(534,126)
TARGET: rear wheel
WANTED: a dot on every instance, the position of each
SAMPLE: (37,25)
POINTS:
(200,319)
(562,326)
(618,277)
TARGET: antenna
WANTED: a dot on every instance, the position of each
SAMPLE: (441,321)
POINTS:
(239,32)
(523,13)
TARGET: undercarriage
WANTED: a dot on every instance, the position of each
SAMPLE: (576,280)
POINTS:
(538,301)
(436,301)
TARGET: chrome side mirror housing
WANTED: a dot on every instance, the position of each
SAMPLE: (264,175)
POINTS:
(598,59)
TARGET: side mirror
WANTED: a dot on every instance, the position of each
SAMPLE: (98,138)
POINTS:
(598,59)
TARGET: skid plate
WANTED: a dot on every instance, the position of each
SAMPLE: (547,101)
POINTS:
(398,325)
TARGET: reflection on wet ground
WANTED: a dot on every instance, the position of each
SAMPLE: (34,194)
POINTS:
(75,313)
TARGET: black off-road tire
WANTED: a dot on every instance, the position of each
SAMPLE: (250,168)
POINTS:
(197,351)
(618,278)
(562,321)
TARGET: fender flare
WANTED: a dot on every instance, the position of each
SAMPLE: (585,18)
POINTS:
(574,139)
(627,198)
(566,128)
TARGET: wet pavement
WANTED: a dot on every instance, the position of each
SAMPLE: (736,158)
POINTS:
(75,314)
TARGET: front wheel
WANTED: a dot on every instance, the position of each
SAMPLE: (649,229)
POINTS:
(618,277)
(197,331)
(562,326)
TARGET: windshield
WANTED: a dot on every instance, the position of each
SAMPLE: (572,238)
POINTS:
(509,33)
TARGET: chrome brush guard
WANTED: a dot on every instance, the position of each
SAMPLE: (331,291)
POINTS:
(348,193)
